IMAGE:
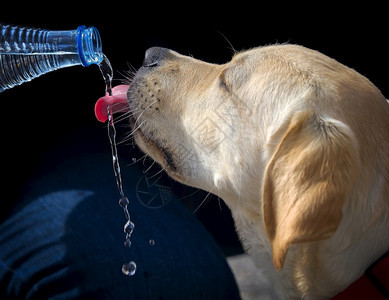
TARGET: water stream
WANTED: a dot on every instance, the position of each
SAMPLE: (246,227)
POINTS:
(107,72)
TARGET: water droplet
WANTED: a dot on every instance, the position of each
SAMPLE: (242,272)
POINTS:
(127,243)
(151,242)
(123,202)
(129,269)
(129,227)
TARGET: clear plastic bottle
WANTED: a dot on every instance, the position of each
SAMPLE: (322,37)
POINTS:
(26,53)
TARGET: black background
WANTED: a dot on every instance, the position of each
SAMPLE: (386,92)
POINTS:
(49,109)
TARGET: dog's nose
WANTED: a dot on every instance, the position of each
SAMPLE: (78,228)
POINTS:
(154,56)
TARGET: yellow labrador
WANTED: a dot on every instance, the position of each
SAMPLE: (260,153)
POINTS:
(295,143)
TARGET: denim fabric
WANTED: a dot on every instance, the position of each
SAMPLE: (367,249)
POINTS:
(64,238)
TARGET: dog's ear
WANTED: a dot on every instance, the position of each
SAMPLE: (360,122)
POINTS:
(307,182)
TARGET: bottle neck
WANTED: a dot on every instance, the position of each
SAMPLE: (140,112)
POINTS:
(89,45)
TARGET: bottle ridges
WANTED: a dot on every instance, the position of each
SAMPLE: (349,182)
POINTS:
(20,40)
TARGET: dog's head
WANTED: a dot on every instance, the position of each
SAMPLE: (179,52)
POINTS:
(264,131)
(198,120)
(187,116)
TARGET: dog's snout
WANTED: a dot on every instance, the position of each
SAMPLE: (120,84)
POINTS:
(154,56)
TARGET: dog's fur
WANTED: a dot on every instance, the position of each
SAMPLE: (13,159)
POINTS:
(295,143)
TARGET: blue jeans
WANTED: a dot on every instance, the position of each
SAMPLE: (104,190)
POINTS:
(64,238)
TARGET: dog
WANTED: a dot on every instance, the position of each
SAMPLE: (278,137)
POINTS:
(294,142)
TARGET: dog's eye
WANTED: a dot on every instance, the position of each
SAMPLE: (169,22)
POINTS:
(222,82)
(223,85)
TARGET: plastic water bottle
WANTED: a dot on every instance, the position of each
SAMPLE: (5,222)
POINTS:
(26,53)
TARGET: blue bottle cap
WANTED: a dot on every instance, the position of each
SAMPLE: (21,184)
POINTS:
(89,45)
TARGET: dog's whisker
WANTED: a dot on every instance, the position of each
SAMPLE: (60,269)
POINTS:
(220,205)
(125,139)
(190,195)
(128,74)
(129,136)
(202,202)
(123,116)
(136,128)
(229,42)
(145,110)
(159,172)
(148,169)
(135,160)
